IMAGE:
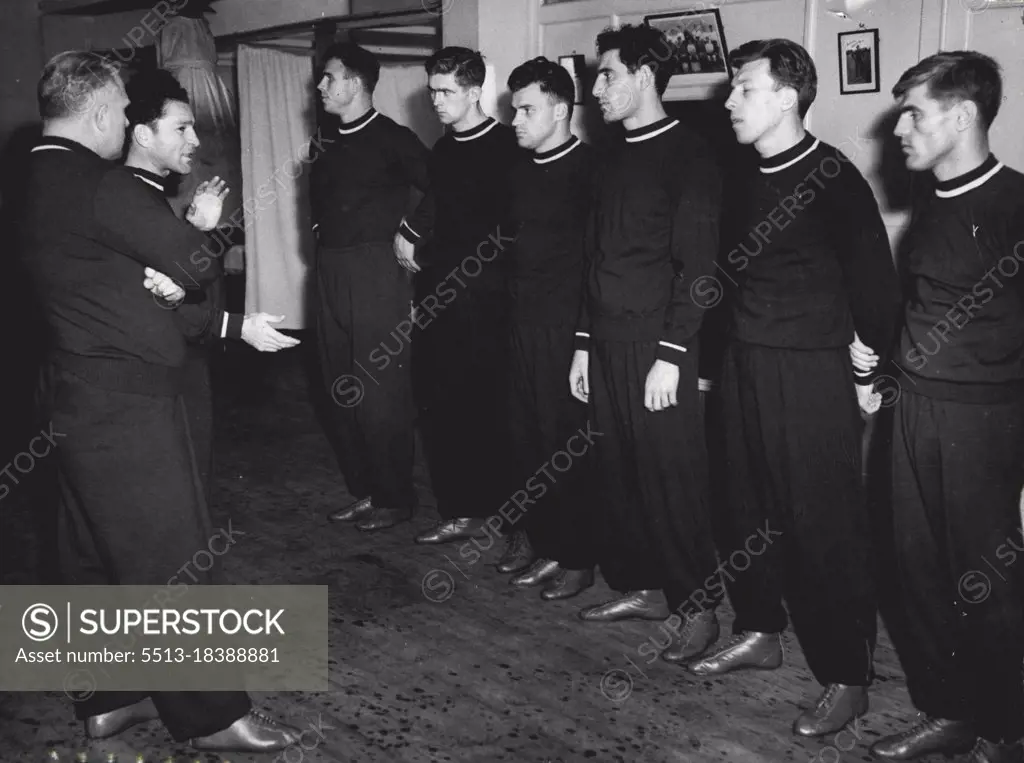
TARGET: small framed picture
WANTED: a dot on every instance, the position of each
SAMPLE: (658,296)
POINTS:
(697,53)
(858,62)
(575,65)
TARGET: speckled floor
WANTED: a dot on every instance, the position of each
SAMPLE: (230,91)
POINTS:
(433,659)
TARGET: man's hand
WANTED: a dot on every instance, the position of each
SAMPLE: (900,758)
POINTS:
(257,331)
(660,387)
(579,376)
(405,253)
(163,286)
(863,357)
(868,400)
(207,204)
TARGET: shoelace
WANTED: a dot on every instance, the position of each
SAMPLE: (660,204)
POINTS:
(830,693)
(917,728)
(263,718)
(691,625)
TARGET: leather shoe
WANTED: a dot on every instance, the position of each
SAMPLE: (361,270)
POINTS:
(452,529)
(382,519)
(109,724)
(990,752)
(751,650)
(837,706)
(539,572)
(353,511)
(518,554)
(253,732)
(639,605)
(927,737)
(698,633)
(569,583)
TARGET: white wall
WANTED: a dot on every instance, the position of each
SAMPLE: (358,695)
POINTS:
(910,30)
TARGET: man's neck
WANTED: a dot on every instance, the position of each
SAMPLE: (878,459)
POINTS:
(140,161)
(69,131)
(557,138)
(962,160)
(646,115)
(473,118)
(786,134)
(358,108)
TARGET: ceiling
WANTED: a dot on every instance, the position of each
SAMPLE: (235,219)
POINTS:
(95,7)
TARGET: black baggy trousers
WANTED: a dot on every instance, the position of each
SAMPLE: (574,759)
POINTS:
(957,479)
(795,524)
(132,512)
(364,335)
(552,447)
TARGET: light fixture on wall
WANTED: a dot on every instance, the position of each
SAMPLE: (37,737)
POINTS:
(848,9)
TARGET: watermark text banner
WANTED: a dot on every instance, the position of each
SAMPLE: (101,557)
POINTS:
(84,639)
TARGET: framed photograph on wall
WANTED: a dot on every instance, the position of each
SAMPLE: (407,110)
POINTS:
(575,65)
(697,52)
(858,62)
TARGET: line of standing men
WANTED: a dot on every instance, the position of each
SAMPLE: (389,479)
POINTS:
(525,259)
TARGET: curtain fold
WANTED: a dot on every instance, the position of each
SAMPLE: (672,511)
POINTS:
(278,132)
(187,49)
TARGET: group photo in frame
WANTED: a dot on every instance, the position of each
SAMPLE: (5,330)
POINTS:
(698,52)
(858,62)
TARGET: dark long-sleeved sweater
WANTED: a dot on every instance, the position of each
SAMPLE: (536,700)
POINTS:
(466,208)
(201,317)
(361,183)
(551,194)
(811,261)
(87,233)
(652,239)
(963,332)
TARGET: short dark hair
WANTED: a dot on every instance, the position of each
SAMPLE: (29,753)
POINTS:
(553,80)
(789,63)
(149,90)
(358,60)
(959,75)
(467,65)
(640,45)
(70,80)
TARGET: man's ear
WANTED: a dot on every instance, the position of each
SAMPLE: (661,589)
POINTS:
(561,111)
(967,114)
(475,94)
(141,135)
(790,99)
(647,75)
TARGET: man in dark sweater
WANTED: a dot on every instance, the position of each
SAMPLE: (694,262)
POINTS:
(132,511)
(461,302)
(811,264)
(361,187)
(162,140)
(651,242)
(551,191)
(958,443)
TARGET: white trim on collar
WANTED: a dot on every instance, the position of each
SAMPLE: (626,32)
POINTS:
(560,154)
(357,128)
(474,136)
(656,133)
(49,147)
(153,183)
(791,162)
(970,186)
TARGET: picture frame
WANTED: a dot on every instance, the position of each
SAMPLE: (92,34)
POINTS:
(859,70)
(698,55)
(575,64)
